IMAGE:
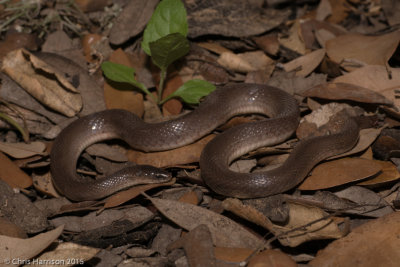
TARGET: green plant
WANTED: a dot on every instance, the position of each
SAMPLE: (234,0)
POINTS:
(164,39)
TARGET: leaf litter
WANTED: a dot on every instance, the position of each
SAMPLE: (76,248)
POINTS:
(331,55)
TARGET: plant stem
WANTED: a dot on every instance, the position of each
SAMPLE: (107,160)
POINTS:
(24,133)
(161,85)
(141,86)
(166,99)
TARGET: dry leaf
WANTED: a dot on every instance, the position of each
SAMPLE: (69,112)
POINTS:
(346,91)
(248,212)
(368,154)
(271,258)
(135,214)
(131,21)
(246,165)
(391,9)
(389,173)
(294,41)
(257,59)
(366,201)
(224,231)
(268,43)
(12,175)
(367,137)
(14,249)
(92,5)
(311,27)
(304,65)
(89,42)
(245,62)
(198,246)
(123,96)
(376,78)
(324,10)
(372,244)
(44,184)
(235,62)
(11,229)
(323,36)
(312,104)
(183,155)
(105,151)
(14,40)
(65,254)
(91,92)
(49,88)
(190,197)
(338,172)
(299,216)
(232,254)
(22,150)
(79,206)
(370,50)
(340,11)
(214,47)
(319,122)
(260,76)
(172,106)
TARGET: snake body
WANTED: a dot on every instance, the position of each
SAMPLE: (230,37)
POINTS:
(217,108)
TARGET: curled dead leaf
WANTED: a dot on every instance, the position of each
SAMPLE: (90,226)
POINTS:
(44,83)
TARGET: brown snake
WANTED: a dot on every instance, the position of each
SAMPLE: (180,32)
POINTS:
(216,109)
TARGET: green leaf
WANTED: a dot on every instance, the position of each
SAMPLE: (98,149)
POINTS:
(118,72)
(169,17)
(123,74)
(192,91)
(168,49)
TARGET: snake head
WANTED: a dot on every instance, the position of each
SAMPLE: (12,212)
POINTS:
(152,174)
